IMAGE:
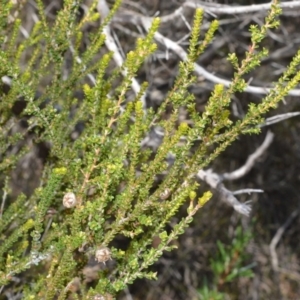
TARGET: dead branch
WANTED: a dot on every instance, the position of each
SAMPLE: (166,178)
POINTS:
(277,237)
(176,48)
(242,171)
(214,180)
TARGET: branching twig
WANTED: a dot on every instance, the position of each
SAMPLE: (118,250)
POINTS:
(214,180)
(247,191)
(279,118)
(277,237)
(102,8)
(226,9)
(214,8)
(242,171)
(169,44)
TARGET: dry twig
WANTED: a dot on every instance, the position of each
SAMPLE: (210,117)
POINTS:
(278,236)
(214,180)
(136,18)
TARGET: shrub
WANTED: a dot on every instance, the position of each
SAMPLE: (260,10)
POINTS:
(99,197)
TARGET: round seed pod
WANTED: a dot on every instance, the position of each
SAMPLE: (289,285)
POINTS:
(103,254)
(165,194)
(103,297)
(98,297)
(69,200)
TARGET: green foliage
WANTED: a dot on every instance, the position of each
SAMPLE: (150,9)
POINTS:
(207,293)
(227,266)
(99,187)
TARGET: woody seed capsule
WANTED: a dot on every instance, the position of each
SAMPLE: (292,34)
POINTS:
(69,200)
(103,254)
(165,194)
